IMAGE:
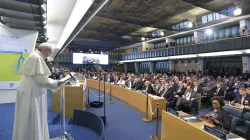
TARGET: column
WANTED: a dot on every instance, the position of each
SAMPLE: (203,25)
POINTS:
(125,67)
(171,65)
(136,67)
(243,23)
(151,67)
(198,36)
(200,64)
(245,63)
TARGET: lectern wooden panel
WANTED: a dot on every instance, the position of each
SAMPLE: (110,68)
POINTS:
(74,99)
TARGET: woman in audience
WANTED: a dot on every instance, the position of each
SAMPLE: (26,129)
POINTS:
(218,116)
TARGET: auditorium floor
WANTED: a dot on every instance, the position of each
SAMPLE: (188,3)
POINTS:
(123,122)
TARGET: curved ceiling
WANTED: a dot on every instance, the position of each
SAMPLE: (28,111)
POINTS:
(124,22)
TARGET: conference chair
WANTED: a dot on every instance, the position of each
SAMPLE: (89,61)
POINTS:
(89,120)
(236,116)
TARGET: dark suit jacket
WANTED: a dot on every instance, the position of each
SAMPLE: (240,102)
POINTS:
(238,98)
(149,89)
(169,94)
(181,92)
(193,95)
(127,83)
(215,90)
(199,89)
(138,86)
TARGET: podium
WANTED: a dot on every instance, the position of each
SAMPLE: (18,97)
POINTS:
(65,100)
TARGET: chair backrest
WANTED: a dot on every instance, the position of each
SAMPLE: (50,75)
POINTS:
(234,111)
(205,89)
(247,118)
(89,120)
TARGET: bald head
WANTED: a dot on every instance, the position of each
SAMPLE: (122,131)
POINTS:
(45,49)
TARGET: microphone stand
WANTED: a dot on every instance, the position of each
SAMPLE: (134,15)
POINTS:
(64,134)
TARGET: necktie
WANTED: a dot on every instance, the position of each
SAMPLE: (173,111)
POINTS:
(242,100)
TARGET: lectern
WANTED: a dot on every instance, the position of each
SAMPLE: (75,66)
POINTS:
(64,135)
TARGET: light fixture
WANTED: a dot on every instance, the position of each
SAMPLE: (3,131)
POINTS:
(220,53)
(190,25)
(143,38)
(209,31)
(162,33)
(237,11)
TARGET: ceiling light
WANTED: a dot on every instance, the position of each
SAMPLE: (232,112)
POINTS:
(237,11)
(209,31)
(143,38)
(162,33)
(190,25)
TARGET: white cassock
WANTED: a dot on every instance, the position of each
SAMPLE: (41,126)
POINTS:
(31,100)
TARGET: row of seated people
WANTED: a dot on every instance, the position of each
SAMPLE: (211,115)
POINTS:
(185,93)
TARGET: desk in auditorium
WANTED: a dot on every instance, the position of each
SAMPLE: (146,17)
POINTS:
(74,99)
(132,98)
(174,128)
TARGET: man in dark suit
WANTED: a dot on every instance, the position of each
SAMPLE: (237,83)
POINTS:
(188,100)
(169,92)
(129,82)
(217,90)
(138,84)
(148,88)
(197,88)
(242,98)
(157,86)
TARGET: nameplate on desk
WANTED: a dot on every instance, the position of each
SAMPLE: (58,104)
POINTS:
(173,112)
(215,132)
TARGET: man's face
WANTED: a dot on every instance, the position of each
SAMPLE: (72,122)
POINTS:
(242,92)
(195,83)
(45,52)
(248,91)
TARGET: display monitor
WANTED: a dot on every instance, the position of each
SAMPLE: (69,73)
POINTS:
(84,58)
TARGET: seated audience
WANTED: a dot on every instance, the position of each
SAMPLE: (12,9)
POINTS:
(188,100)
(148,88)
(217,115)
(242,98)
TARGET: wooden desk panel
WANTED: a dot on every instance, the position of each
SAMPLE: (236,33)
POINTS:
(174,128)
(132,98)
(74,99)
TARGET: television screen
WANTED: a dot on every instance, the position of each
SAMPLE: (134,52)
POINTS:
(84,58)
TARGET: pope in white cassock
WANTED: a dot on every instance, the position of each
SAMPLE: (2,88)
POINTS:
(31,99)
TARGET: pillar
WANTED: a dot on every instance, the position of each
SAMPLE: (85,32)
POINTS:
(200,64)
(198,36)
(136,67)
(171,65)
(125,67)
(151,67)
(245,63)
(243,23)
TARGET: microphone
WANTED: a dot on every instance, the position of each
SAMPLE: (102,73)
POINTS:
(72,76)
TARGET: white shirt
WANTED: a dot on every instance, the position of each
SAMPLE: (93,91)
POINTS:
(188,95)
(242,100)
(195,89)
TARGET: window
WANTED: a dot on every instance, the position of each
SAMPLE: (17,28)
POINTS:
(174,27)
(223,13)
(216,16)
(176,62)
(182,62)
(181,26)
(210,18)
(230,11)
(189,61)
(204,19)
(177,26)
